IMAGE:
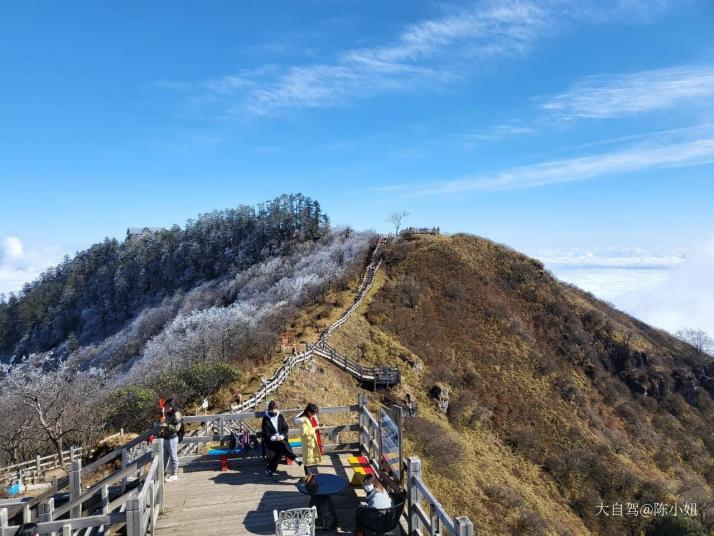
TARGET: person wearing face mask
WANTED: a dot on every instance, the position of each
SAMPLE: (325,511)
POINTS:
(275,439)
(310,437)
(377,498)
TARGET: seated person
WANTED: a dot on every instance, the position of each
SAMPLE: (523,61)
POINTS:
(275,439)
(377,499)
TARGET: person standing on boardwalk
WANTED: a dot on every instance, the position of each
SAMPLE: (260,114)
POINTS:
(170,430)
(310,438)
(275,439)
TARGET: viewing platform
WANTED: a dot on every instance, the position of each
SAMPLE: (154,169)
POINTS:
(124,491)
(240,501)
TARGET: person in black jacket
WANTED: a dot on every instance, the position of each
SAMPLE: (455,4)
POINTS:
(275,439)
(170,429)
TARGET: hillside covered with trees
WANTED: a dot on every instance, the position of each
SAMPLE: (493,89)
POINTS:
(93,343)
(540,408)
(91,296)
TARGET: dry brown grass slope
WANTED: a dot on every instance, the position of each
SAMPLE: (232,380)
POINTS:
(557,401)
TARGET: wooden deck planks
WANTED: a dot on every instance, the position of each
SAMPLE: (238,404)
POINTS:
(241,501)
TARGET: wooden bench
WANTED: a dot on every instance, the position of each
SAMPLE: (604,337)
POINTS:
(361,467)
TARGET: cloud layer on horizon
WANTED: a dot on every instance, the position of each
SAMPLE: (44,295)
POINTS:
(19,265)
(664,289)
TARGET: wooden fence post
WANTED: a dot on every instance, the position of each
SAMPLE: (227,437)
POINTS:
(434,520)
(159,452)
(38,466)
(362,421)
(67,530)
(75,487)
(105,499)
(124,463)
(413,473)
(134,524)
(464,526)
(47,512)
(26,514)
(3,518)
(152,505)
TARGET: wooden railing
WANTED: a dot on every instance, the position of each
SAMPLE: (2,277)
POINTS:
(143,507)
(375,376)
(127,454)
(219,427)
(34,470)
(292,361)
(138,510)
(423,514)
(365,285)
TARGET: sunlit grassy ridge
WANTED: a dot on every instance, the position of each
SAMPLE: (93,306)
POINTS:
(557,401)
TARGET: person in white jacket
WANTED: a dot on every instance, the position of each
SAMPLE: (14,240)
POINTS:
(377,498)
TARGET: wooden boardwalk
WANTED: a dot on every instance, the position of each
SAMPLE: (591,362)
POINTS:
(241,501)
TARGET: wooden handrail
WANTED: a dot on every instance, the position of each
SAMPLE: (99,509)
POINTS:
(117,452)
(73,524)
(111,479)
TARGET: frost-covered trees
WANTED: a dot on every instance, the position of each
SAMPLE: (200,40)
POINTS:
(697,339)
(176,314)
(93,295)
(240,319)
(49,404)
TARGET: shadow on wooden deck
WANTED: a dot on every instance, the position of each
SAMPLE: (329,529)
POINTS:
(241,501)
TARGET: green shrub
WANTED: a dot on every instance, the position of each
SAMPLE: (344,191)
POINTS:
(133,408)
(676,526)
(194,382)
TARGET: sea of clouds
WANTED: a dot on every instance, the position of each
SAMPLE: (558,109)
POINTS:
(670,289)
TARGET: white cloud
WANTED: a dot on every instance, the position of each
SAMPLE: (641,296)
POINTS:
(617,95)
(641,157)
(666,289)
(425,54)
(12,248)
(428,54)
(19,265)
(684,299)
(622,258)
(502,131)
(611,272)
(611,283)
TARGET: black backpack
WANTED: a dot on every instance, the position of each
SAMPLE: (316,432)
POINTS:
(233,441)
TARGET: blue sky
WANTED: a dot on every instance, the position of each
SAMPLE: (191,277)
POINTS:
(580,129)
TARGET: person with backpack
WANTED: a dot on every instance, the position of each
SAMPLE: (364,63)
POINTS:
(171,429)
(275,438)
